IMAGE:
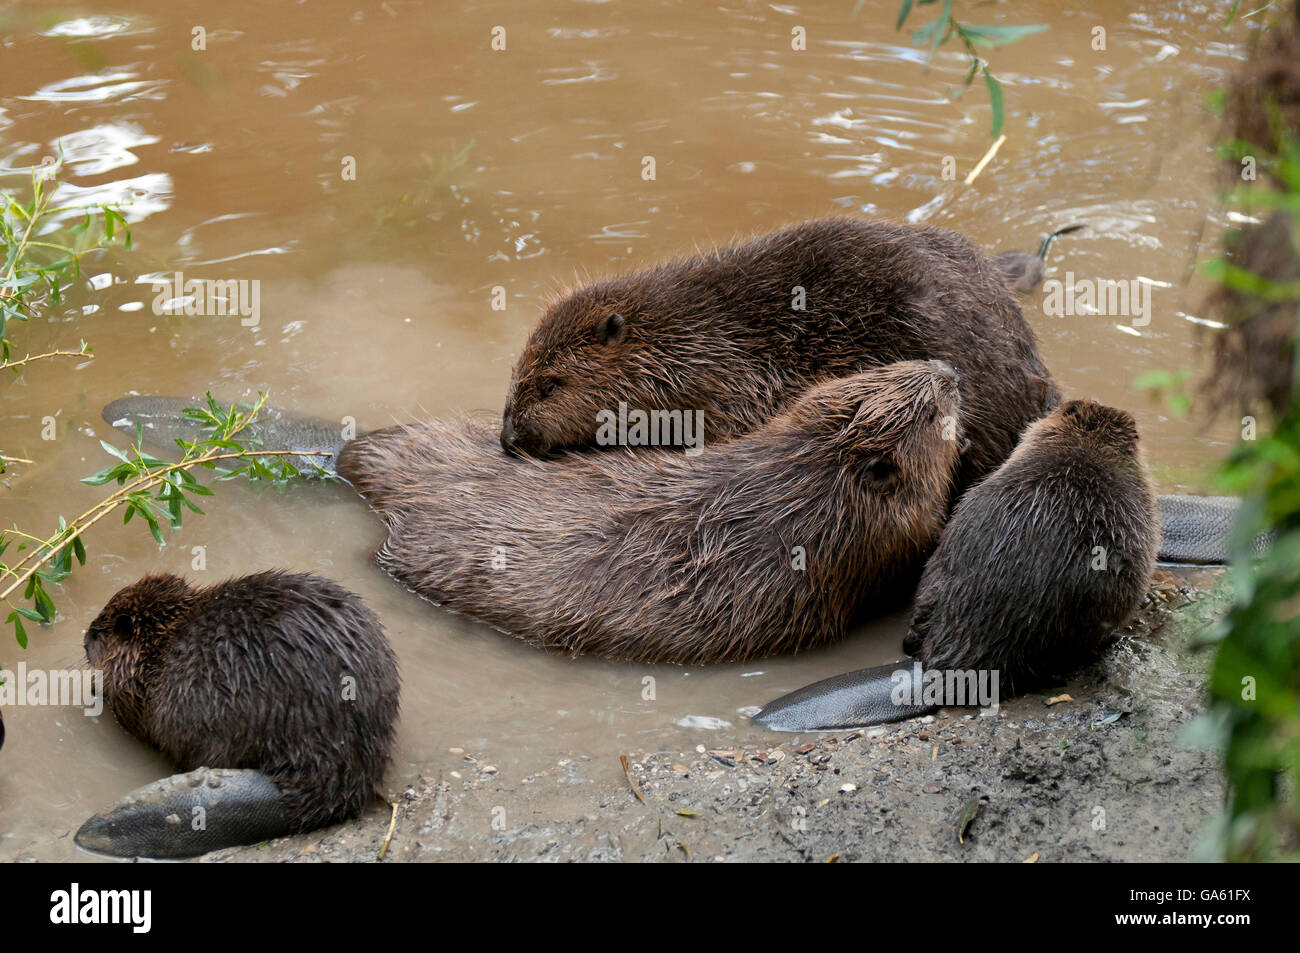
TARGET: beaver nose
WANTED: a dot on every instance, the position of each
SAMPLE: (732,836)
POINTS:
(945,369)
(522,440)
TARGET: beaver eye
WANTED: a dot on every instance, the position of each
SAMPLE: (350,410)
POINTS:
(123,625)
(550,387)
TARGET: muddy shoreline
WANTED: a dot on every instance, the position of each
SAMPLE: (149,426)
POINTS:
(1102,776)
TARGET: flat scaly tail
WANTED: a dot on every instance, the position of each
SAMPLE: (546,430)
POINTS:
(189,814)
(162,422)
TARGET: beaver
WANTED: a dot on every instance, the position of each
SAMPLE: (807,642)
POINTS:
(1024,272)
(286,678)
(739,333)
(1047,557)
(765,544)
(1038,566)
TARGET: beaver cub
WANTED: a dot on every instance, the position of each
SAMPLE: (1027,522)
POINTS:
(1042,561)
(739,333)
(762,545)
(289,675)
(1039,564)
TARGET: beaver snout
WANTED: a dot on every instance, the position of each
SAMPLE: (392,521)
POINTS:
(522,440)
(944,369)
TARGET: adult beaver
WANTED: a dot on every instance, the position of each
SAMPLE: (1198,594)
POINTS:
(766,544)
(740,332)
(285,679)
(1038,566)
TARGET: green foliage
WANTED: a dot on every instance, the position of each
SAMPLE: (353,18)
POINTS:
(1255,681)
(1168,386)
(155,490)
(39,258)
(945,26)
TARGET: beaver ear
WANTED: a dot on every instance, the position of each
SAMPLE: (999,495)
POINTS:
(124,625)
(882,473)
(1073,410)
(610,329)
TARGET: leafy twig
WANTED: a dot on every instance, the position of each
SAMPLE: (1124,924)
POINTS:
(945,26)
(151,488)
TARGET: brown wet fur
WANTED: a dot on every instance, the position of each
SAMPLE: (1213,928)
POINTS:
(1011,586)
(659,556)
(249,674)
(716,332)
(1022,270)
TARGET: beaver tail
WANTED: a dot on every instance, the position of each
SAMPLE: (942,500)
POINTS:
(161,421)
(1047,242)
(1198,530)
(1195,530)
(189,814)
(869,696)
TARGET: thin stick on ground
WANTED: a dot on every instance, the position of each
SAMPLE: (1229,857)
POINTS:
(392,824)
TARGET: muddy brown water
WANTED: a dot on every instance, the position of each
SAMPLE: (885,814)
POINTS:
(523,169)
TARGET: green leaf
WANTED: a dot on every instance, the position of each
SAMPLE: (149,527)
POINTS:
(100,478)
(44,604)
(995,100)
(109,448)
(994,36)
(19,632)
(224,445)
(903,12)
(935,32)
(154,529)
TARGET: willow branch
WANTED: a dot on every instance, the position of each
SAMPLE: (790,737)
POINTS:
(78,527)
(32,358)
